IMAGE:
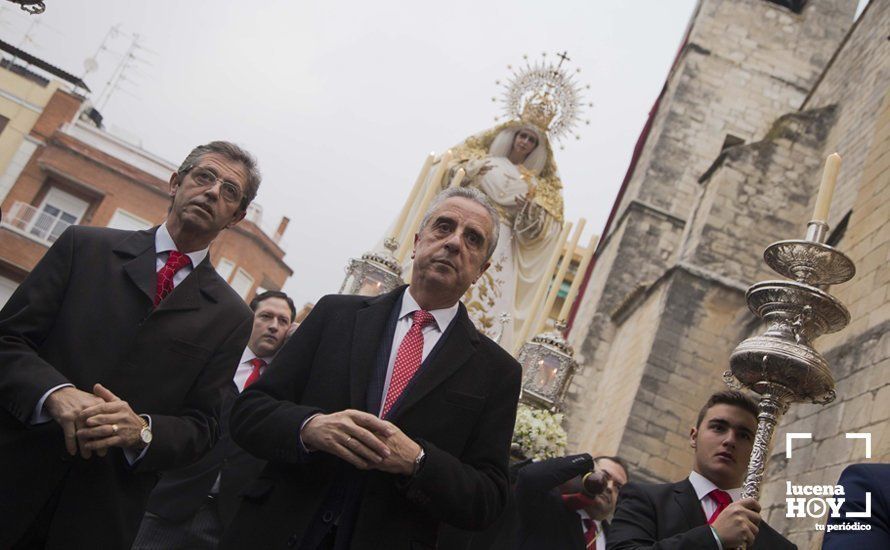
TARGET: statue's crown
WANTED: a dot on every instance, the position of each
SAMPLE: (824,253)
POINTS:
(539,110)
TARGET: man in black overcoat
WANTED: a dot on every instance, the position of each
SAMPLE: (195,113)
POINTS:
(383,417)
(114,355)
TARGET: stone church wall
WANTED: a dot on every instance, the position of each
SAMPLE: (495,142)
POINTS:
(745,63)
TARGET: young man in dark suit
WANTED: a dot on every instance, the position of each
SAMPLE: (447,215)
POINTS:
(564,503)
(114,355)
(704,511)
(190,506)
(383,417)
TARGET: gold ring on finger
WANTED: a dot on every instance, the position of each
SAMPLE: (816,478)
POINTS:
(348,439)
(114,428)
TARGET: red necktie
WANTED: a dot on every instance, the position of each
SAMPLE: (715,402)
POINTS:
(258,365)
(590,534)
(408,359)
(175,262)
(723,500)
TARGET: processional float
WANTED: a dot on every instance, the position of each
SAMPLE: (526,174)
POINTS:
(541,94)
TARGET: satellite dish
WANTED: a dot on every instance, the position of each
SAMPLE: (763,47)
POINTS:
(90,64)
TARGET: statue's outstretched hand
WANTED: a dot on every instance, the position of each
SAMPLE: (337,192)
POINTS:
(529,221)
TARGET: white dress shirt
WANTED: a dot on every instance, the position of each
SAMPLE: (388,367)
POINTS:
(431,334)
(163,245)
(703,487)
(242,373)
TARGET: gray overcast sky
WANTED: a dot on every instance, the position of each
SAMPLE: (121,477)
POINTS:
(341,101)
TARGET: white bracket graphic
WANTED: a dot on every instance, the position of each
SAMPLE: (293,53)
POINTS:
(867,512)
(867,437)
(789,437)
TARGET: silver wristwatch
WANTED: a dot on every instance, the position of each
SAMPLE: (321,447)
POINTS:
(145,433)
(418,461)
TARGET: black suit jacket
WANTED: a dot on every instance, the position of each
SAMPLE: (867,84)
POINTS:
(460,406)
(85,315)
(669,516)
(544,521)
(858,480)
(181,492)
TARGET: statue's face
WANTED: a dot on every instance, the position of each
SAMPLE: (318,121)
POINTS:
(524,142)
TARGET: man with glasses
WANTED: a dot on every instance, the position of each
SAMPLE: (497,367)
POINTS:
(115,353)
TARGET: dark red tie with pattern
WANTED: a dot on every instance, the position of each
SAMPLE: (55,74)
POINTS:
(723,500)
(590,534)
(258,365)
(176,261)
(408,359)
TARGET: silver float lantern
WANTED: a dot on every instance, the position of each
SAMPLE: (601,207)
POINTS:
(548,364)
(375,273)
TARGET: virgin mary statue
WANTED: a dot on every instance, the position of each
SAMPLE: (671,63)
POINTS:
(513,165)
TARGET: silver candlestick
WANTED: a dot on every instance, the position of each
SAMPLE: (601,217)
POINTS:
(781,365)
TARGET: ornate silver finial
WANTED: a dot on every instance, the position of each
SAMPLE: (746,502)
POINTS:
(781,364)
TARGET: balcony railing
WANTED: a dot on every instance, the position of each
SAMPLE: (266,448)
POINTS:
(40,225)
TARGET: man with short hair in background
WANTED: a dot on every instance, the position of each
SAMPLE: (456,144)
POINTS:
(190,507)
(114,356)
(565,503)
(705,510)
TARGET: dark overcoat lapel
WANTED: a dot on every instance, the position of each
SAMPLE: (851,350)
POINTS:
(138,254)
(370,324)
(687,500)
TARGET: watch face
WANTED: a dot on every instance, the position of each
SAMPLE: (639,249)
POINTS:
(145,435)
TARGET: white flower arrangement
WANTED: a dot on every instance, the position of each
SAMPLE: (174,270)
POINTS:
(539,432)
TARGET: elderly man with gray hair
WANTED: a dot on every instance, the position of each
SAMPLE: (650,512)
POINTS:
(114,355)
(384,417)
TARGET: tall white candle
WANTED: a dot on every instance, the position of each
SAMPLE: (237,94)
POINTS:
(579,276)
(435,185)
(418,184)
(567,257)
(541,289)
(458,177)
(826,189)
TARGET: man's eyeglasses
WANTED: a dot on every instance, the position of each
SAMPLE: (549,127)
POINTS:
(205,177)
